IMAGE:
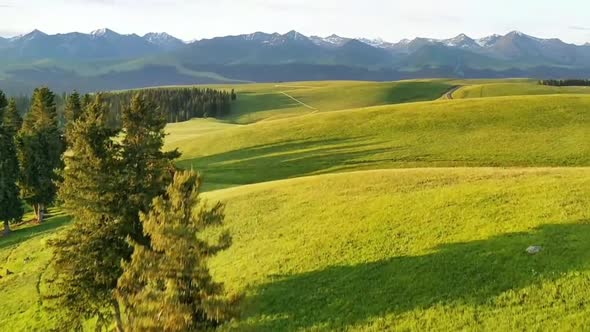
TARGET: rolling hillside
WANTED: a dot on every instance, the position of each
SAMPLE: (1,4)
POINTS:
(417,250)
(377,207)
(503,131)
(274,101)
(515,89)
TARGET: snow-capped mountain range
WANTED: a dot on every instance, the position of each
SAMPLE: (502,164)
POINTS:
(38,58)
(108,43)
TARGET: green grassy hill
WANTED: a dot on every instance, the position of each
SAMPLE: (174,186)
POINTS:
(366,216)
(423,250)
(24,259)
(258,102)
(507,132)
(496,89)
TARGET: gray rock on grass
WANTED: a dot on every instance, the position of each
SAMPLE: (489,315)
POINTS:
(533,250)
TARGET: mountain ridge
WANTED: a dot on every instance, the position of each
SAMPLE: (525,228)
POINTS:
(105,59)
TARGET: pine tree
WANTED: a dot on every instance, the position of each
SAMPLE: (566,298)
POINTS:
(11,209)
(86,100)
(106,185)
(72,111)
(40,148)
(88,254)
(167,285)
(147,170)
(12,119)
(3,100)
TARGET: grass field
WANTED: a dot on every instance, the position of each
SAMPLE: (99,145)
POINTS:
(426,249)
(515,131)
(268,101)
(24,258)
(363,215)
(515,89)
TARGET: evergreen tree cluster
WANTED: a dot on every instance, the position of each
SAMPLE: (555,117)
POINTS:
(132,255)
(133,258)
(569,82)
(30,156)
(177,104)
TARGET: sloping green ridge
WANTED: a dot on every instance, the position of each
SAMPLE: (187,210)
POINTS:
(422,250)
(505,131)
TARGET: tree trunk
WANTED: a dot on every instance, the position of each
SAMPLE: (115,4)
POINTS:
(41,213)
(117,316)
(35,206)
(38,210)
(6,228)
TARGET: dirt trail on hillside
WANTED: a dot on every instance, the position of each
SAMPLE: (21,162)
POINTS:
(299,101)
(449,95)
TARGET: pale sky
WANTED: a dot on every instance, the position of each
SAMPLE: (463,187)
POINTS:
(391,20)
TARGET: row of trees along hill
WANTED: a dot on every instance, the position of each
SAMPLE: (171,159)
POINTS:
(177,103)
(570,82)
(133,257)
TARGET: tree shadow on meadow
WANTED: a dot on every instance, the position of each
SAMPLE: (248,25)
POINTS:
(30,231)
(461,273)
(284,160)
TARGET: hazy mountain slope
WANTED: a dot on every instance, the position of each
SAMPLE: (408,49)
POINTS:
(105,59)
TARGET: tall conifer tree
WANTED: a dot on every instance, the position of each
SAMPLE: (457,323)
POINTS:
(167,285)
(72,111)
(10,205)
(106,185)
(147,170)
(40,149)
(88,254)
(12,118)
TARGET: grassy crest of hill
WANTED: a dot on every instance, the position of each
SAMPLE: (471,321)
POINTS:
(273,101)
(421,250)
(505,131)
(515,89)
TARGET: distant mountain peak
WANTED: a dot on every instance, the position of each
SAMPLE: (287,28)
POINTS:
(462,41)
(294,35)
(37,32)
(517,34)
(331,41)
(488,41)
(34,33)
(158,35)
(31,35)
(164,40)
(258,35)
(104,32)
(377,42)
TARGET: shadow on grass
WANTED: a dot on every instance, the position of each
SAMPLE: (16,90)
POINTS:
(463,273)
(29,231)
(282,160)
(250,103)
